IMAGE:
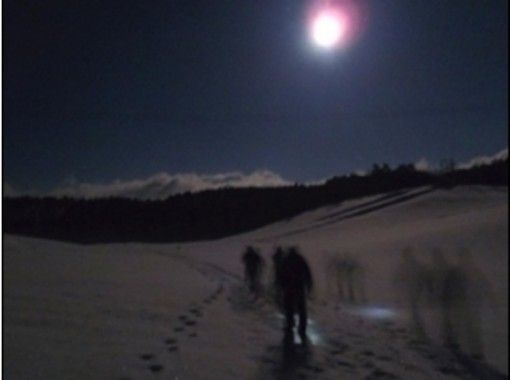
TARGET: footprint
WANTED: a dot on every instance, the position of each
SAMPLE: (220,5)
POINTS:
(172,348)
(156,368)
(193,335)
(146,356)
(380,374)
(190,323)
(269,361)
(179,329)
(314,368)
(449,370)
(196,312)
(339,349)
(182,317)
(345,364)
(368,365)
(416,343)
(170,341)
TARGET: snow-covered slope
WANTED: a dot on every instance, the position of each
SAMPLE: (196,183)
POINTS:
(131,311)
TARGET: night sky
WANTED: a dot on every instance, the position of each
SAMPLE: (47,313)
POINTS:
(99,90)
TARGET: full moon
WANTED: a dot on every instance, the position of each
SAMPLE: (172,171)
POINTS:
(327,29)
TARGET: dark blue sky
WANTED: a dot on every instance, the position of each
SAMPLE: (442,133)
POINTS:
(99,90)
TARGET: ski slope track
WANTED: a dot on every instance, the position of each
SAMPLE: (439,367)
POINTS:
(182,311)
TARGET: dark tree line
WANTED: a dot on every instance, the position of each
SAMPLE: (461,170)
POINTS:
(215,213)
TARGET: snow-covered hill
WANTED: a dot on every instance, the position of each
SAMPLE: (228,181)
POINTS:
(180,311)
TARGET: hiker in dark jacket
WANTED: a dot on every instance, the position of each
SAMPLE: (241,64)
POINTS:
(296,283)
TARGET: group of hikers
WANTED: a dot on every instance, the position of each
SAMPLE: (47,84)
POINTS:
(292,283)
(451,290)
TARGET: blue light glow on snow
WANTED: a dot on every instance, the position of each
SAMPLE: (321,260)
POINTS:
(376,312)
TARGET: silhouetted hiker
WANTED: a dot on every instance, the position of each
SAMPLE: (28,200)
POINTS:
(253,264)
(412,281)
(296,283)
(450,292)
(278,256)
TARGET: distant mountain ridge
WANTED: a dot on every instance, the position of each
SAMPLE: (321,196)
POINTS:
(213,214)
(162,185)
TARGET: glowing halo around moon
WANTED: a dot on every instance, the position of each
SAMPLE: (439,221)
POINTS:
(327,29)
(334,24)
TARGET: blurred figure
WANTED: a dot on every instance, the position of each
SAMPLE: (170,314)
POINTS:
(341,278)
(329,265)
(277,257)
(412,282)
(477,289)
(450,291)
(349,278)
(253,265)
(296,283)
(460,290)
